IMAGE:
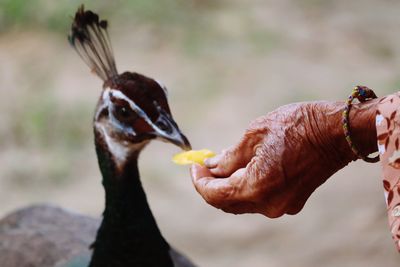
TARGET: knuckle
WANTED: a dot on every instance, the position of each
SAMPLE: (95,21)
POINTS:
(294,210)
(232,210)
(274,213)
(274,208)
(256,123)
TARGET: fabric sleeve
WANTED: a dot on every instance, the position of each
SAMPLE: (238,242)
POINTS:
(388,136)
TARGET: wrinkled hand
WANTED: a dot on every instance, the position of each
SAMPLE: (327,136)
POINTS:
(283,157)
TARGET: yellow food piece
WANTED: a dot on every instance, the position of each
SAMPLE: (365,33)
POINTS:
(193,156)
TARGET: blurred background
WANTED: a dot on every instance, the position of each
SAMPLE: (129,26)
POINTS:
(225,63)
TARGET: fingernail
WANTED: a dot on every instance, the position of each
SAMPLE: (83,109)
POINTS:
(207,162)
(212,162)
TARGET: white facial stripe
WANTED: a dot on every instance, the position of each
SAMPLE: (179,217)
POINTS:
(118,150)
(134,107)
(101,108)
(107,104)
(175,134)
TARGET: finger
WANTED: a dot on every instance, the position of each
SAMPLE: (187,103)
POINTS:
(197,172)
(218,192)
(227,162)
(213,162)
(288,202)
(271,210)
(237,156)
(298,202)
(241,208)
(296,208)
(255,207)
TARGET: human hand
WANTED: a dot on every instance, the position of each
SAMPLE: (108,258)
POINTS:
(283,157)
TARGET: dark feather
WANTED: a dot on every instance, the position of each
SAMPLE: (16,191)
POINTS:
(90,39)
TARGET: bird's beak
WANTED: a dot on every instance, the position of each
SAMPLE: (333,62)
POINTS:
(180,140)
(167,130)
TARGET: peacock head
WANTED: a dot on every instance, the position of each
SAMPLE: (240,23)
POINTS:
(132,110)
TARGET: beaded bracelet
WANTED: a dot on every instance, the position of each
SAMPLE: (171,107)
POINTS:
(362,93)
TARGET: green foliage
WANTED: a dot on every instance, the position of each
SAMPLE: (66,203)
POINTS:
(53,15)
(15,10)
(193,22)
(164,12)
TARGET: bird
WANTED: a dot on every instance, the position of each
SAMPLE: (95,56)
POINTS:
(132,110)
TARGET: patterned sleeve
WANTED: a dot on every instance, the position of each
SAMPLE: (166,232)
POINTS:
(388,132)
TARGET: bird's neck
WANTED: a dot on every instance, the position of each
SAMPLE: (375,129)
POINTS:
(128,235)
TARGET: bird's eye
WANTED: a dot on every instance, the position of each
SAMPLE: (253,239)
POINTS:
(164,126)
(124,113)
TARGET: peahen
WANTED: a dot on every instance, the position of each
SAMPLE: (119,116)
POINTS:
(132,111)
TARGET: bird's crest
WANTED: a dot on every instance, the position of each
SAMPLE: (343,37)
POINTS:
(90,39)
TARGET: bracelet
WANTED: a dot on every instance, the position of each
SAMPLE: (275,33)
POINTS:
(362,93)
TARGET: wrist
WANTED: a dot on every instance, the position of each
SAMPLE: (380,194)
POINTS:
(362,126)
